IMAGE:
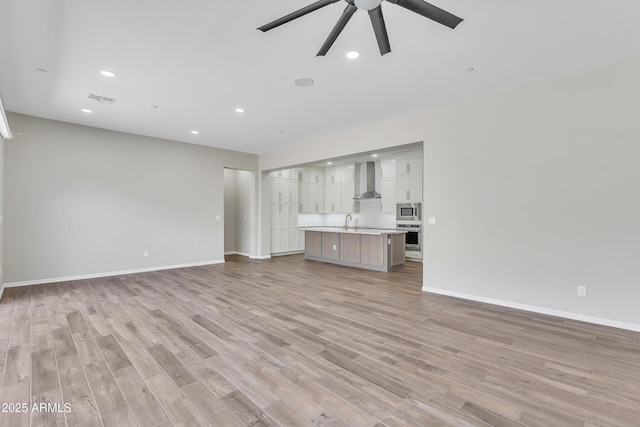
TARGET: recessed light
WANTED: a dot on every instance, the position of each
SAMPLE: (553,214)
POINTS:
(195,132)
(374,155)
(304,82)
(108,73)
(470,69)
(329,163)
(353,54)
(152,106)
(240,110)
(86,110)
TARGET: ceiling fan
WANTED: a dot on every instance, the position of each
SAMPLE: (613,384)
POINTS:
(375,13)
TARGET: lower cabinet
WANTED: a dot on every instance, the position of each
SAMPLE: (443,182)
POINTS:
(382,252)
(350,247)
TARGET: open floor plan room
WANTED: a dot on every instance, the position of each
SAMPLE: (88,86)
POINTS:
(292,342)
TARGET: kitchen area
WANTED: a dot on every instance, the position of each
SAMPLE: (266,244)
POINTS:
(372,194)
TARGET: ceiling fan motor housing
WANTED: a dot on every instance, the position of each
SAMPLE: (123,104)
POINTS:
(367,4)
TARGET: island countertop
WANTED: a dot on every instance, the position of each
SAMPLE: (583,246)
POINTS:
(369,231)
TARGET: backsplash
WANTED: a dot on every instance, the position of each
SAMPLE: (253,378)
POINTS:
(369,220)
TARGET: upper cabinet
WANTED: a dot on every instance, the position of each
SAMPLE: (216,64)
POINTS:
(409,178)
(284,186)
(339,188)
(387,168)
(409,166)
(311,190)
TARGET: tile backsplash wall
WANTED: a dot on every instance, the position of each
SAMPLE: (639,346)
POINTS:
(365,219)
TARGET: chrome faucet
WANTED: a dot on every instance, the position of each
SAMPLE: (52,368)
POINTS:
(346,221)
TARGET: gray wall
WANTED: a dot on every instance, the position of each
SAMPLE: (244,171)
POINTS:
(84,201)
(535,191)
(1,215)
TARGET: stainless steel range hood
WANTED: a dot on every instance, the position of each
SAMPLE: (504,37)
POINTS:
(371,184)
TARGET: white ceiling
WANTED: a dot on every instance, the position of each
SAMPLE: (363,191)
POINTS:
(198,60)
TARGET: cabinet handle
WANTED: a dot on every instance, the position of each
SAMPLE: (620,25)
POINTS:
(279,197)
(289,196)
(332,208)
(317,179)
(316,208)
(300,207)
(279,208)
(408,167)
(408,194)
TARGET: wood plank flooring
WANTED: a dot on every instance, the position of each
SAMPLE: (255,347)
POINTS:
(293,342)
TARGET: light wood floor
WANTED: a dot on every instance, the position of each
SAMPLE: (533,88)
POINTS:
(289,342)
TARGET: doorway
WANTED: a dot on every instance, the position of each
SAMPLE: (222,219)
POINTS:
(238,208)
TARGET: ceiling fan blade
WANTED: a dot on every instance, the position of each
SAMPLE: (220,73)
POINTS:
(430,11)
(297,14)
(377,20)
(337,29)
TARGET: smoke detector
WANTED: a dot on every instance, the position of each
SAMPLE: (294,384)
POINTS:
(102,99)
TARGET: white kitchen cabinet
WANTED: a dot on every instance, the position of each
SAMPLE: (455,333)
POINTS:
(333,175)
(347,173)
(313,175)
(347,192)
(409,178)
(332,198)
(409,188)
(284,210)
(409,166)
(316,198)
(387,168)
(301,235)
(339,188)
(388,193)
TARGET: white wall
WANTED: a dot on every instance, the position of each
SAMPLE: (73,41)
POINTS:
(84,201)
(535,191)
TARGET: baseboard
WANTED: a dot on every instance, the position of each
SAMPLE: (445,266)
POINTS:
(108,274)
(287,253)
(1,291)
(237,253)
(536,309)
(260,257)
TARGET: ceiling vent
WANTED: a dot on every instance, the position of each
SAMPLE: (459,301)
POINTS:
(102,99)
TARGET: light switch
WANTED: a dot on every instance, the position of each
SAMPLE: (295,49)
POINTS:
(218,217)
(432,220)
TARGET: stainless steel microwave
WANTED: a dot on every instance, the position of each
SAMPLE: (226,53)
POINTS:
(409,211)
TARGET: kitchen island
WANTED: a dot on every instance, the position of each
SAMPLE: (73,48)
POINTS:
(372,249)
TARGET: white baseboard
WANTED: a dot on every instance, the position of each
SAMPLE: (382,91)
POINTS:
(108,274)
(260,257)
(536,309)
(1,291)
(237,253)
(286,253)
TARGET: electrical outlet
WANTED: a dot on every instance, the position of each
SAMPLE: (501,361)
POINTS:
(145,253)
(582,291)
(218,217)
(334,247)
(432,220)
